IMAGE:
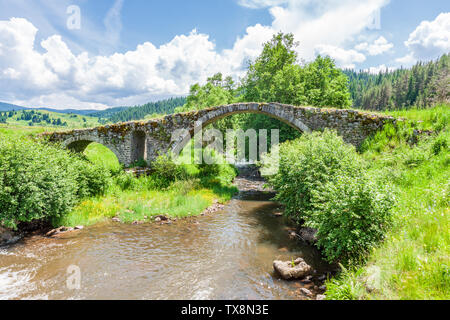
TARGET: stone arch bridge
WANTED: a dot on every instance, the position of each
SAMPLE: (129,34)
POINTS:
(132,141)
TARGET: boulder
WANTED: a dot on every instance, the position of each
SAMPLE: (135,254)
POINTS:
(7,236)
(288,270)
(306,292)
(61,230)
(292,235)
(320,297)
(308,234)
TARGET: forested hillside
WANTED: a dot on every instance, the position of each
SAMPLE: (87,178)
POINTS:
(123,114)
(424,85)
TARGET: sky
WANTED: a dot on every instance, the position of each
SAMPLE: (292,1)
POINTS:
(94,54)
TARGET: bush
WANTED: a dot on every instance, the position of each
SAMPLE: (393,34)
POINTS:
(218,172)
(36,182)
(440,144)
(92,180)
(125,181)
(308,163)
(165,171)
(351,215)
(321,182)
(43,182)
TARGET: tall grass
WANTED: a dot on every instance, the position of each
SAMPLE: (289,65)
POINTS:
(413,262)
(130,206)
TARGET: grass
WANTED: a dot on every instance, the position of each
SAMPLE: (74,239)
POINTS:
(182,199)
(413,261)
(100,154)
(17,131)
(132,206)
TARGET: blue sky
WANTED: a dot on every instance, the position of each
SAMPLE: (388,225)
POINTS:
(134,51)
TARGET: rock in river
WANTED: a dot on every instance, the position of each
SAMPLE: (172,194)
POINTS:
(7,236)
(308,234)
(289,270)
(306,292)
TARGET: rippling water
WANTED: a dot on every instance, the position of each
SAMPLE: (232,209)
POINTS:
(225,255)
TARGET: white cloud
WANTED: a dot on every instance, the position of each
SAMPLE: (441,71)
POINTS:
(407,60)
(344,58)
(429,40)
(331,22)
(40,79)
(49,73)
(379,46)
(113,22)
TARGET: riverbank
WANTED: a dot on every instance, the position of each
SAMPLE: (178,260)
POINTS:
(181,200)
(413,260)
(131,207)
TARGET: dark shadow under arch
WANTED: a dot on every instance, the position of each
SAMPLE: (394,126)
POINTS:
(139,146)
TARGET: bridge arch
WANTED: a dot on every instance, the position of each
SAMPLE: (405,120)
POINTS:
(80,143)
(216,114)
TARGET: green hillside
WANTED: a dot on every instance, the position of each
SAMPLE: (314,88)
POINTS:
(45,118)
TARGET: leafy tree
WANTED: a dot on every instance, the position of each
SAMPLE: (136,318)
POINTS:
(217,91)
(276,65)
(325,85)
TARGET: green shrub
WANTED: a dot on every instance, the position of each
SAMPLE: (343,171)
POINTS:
(36,182)
(322,184)
(124,180)
(351,215)
(165,172)
(218,172)
(42,182)
(308,163)
(141,163)
(92,180)
(439,144)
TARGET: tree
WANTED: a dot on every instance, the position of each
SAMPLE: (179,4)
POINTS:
(276,65)
(424,85)
(217,91)
(326,85)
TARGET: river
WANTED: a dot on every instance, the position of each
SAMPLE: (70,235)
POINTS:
(222,255)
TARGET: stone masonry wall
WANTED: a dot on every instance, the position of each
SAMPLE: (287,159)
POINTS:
(131,141)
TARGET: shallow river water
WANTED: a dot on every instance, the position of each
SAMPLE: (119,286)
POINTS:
(223,255)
